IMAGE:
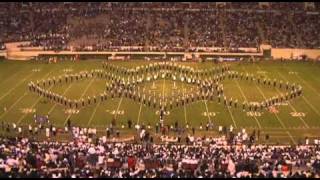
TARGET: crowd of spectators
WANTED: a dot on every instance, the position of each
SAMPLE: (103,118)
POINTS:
(2,46)
(84,158)
(231,155)
(157,26)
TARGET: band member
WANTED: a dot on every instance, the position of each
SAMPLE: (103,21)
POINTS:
(244,106)
(94,99)
(230,102)
(89,100)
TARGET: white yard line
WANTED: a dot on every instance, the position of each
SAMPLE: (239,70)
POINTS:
(294,142)
(247,101)
(312,107)
(278,118)
(53,107)
(264,97)
(138,119)
(37,99)
(205,102)
(234,122)
(18,84)
(31,107)
(11,76)
(306,83)
(281,122)
(305,99)
(163,87)
(94,112)
(84,92)
(118,107)
(184,106)
(303,121)
(13,105)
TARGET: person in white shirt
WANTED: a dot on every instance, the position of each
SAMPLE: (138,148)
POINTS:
(231,128)
(47,132)
(30,129)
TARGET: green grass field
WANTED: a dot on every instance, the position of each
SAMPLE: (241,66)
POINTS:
(282,127)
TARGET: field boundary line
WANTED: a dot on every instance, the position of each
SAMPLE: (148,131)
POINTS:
(247,101)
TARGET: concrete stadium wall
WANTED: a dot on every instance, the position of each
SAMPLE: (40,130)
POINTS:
(287,53)
(15,53)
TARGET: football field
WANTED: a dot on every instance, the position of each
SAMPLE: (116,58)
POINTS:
(295,119)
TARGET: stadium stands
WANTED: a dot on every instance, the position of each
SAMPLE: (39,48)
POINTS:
(22,157)
(180,25)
